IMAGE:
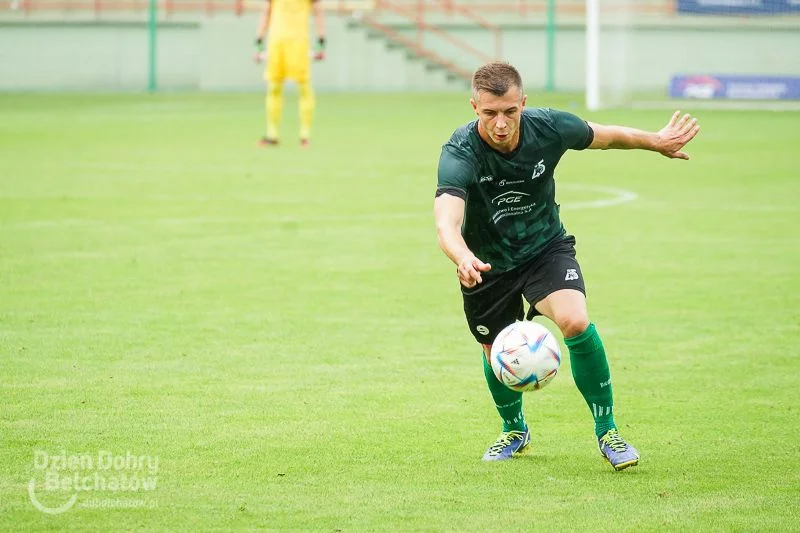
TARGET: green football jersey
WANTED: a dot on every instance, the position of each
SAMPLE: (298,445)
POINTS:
(511,212)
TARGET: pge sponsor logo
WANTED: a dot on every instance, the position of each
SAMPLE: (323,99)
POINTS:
(509,198)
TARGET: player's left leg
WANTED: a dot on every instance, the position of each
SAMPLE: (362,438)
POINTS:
(307,104)
(556,290)
(590,370)
(299,69)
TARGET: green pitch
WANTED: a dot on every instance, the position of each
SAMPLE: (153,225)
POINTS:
(279,331)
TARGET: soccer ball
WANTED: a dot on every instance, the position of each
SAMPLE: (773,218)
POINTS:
(525,356)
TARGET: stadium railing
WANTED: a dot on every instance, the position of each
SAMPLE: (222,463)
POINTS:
(424,27)
(479,11)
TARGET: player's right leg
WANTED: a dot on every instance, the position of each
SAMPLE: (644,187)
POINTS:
(489,307)
(516,436)
(274,76)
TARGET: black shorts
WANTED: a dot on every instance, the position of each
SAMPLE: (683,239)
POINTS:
(497,302)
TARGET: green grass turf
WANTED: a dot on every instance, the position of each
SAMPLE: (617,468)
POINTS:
(280,329)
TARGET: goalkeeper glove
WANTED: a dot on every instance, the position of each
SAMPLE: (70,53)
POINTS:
(259,54)
(319,49)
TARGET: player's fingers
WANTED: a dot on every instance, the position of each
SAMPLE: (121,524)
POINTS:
(680,155)
(684,119)
(480,266)
(688,135)
(689,125)
(464,279)
(468,272)
(474,275)
(674,118)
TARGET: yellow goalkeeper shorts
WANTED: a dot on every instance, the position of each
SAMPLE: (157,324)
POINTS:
(288,59)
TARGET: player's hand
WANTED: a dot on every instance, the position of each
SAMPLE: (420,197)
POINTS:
(469,271)
(674,136)
(319,49)
(258,55)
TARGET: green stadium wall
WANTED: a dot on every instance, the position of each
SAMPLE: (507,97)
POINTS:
(214,54)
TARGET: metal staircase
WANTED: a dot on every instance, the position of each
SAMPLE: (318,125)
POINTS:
(388,20)
(413,51)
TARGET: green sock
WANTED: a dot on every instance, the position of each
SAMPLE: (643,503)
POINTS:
(507,401)
(592,376)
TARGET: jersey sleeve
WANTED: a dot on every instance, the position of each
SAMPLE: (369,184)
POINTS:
(456,172)
(576,134)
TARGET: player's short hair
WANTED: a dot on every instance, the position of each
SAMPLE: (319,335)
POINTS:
(496,78)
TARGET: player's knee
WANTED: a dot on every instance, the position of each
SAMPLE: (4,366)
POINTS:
(275,88)
(572,324)
(487,350)
(305,88)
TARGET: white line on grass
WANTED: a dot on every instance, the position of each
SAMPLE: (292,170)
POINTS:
(616,197)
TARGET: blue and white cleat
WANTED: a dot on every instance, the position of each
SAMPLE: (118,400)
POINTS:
(616,451)
(507,445)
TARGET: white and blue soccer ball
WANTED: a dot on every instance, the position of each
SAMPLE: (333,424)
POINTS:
(525,356)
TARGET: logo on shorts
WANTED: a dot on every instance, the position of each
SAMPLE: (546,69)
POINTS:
(483,330)
(572,274)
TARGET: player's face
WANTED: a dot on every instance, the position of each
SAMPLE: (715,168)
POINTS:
(499,116)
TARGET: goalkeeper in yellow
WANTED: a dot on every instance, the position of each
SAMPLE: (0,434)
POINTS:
(285,28)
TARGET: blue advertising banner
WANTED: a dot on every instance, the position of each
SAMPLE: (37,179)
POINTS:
(735,87)
(739,7)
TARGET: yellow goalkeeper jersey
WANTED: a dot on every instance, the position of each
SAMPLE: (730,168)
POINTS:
(289,19)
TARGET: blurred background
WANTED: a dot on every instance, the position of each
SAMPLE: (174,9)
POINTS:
(623,52)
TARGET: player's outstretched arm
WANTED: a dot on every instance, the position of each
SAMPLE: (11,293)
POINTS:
(263,22)
(448,211)
(668,141)
(319,23)
(319,19)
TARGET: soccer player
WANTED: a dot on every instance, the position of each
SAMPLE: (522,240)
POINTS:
(289,58)
(498,221)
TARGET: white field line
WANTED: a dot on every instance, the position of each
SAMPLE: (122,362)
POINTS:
(614,197)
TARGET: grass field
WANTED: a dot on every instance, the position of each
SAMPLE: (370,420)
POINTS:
(279,329)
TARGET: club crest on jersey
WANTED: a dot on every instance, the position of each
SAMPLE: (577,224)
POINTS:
(538,170)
